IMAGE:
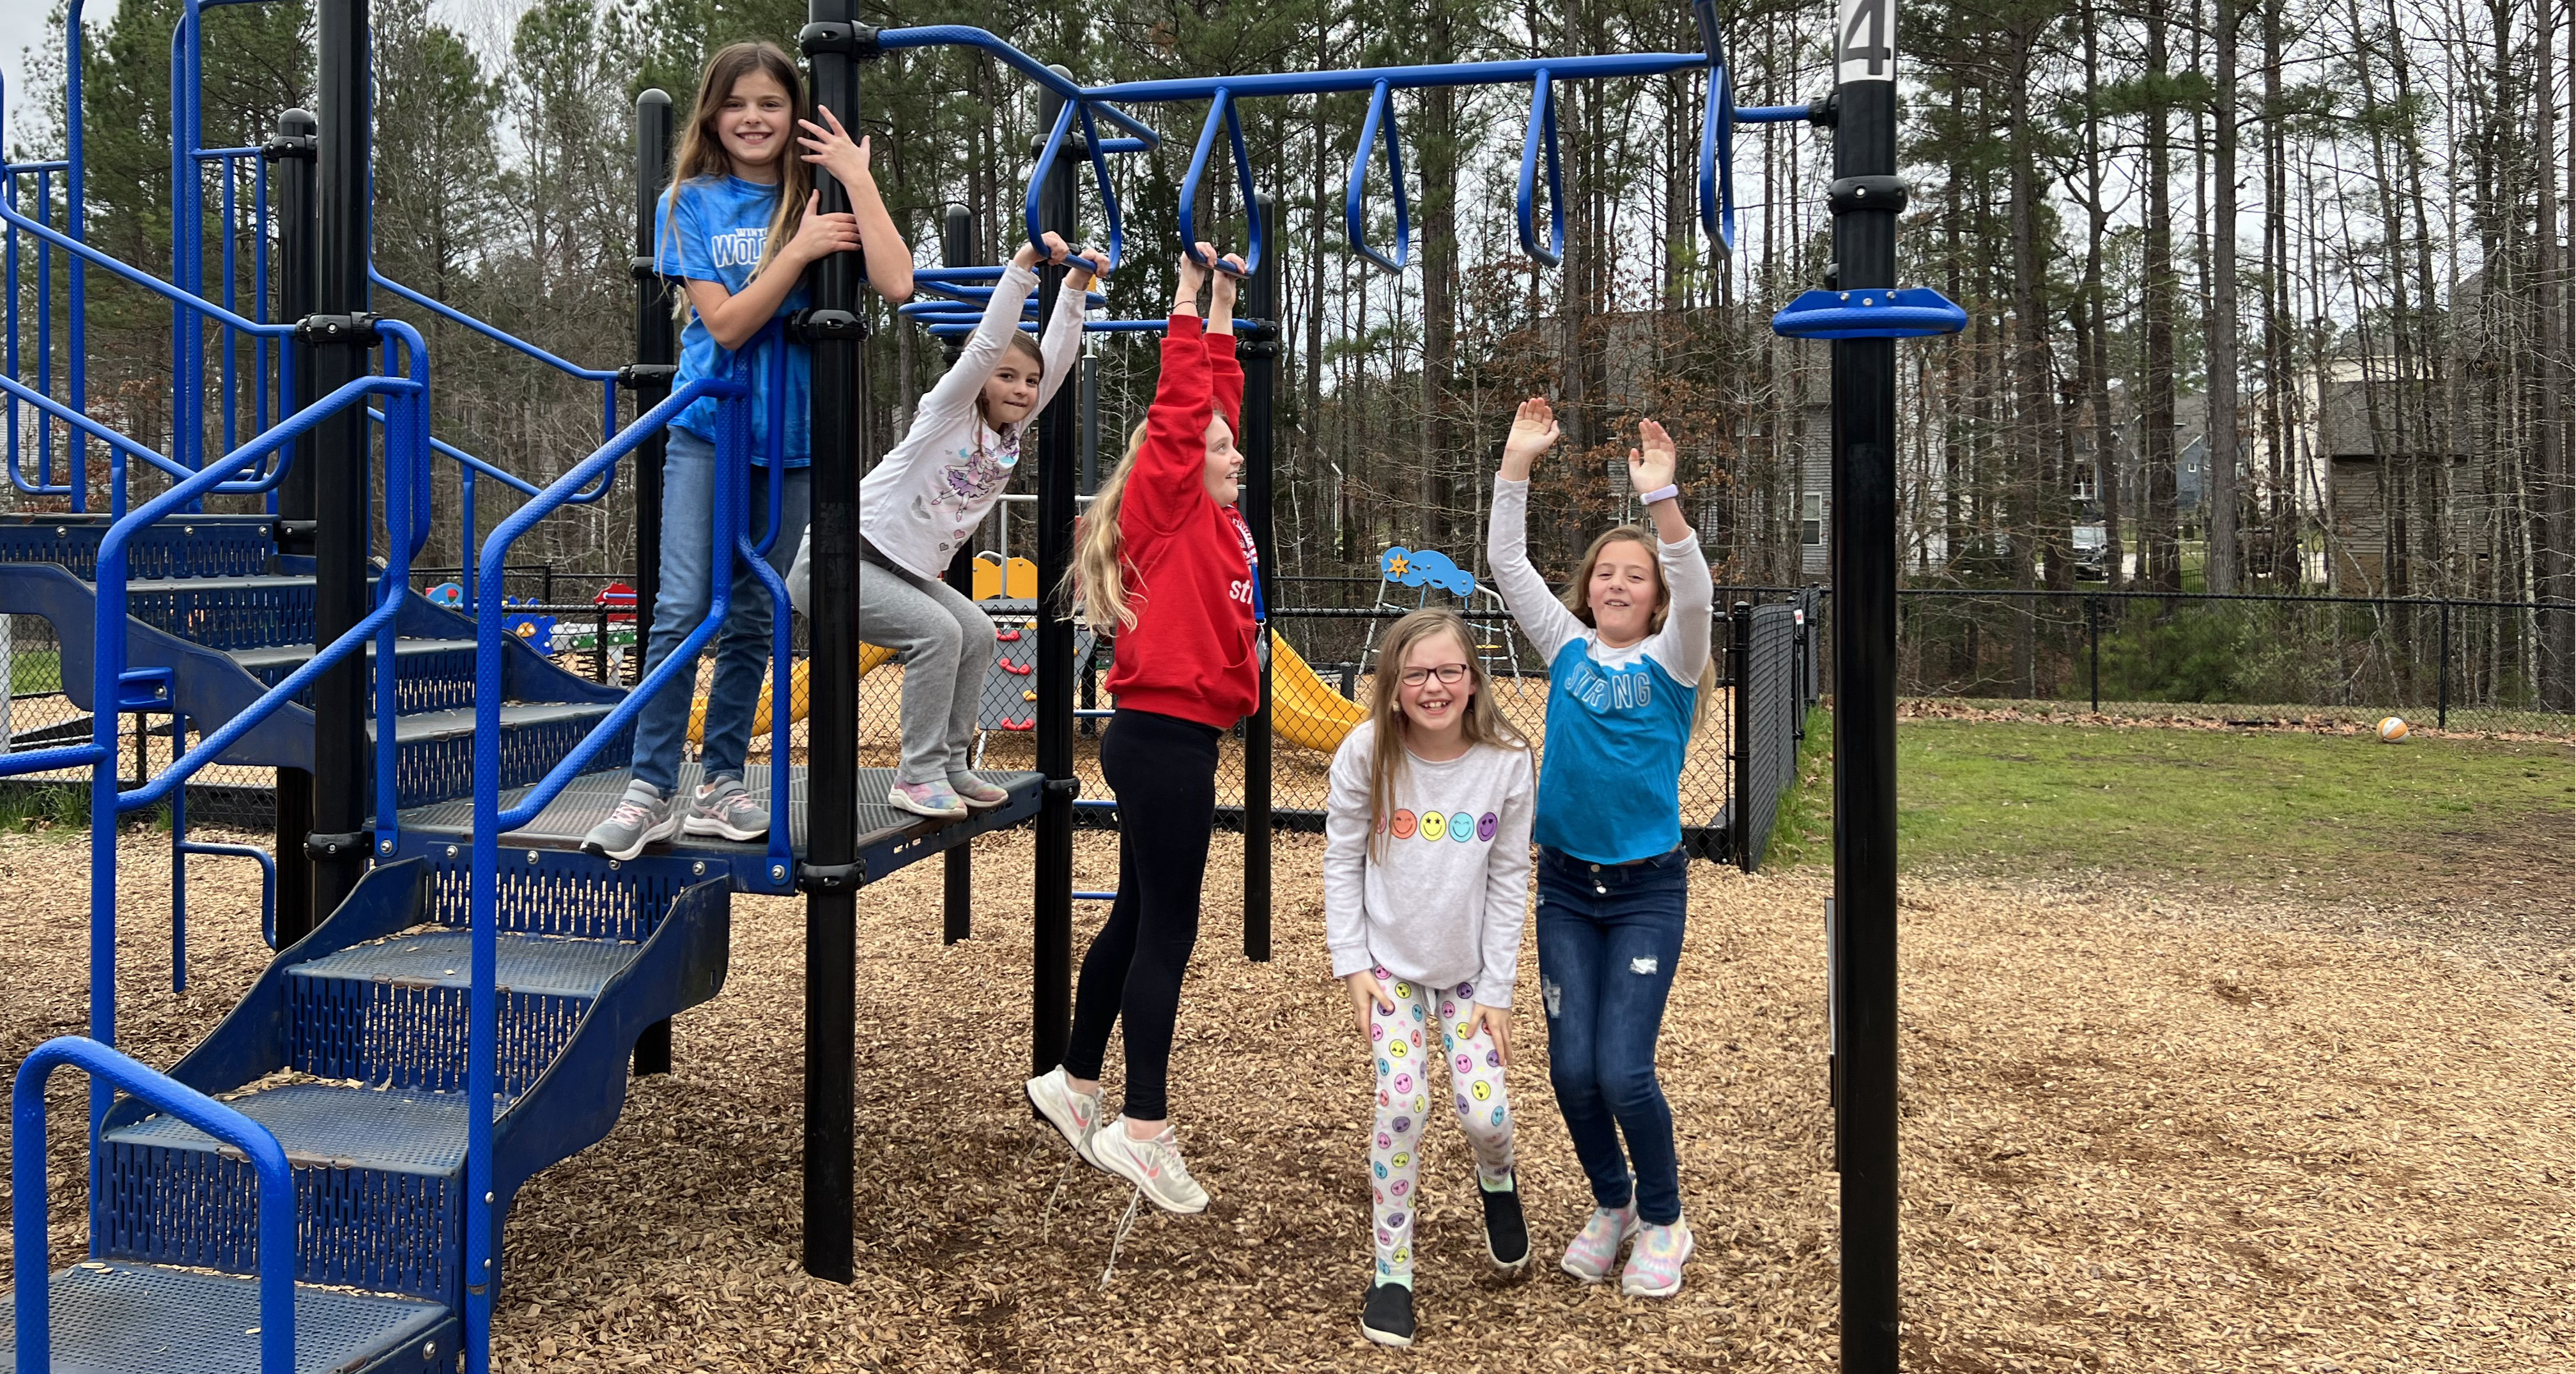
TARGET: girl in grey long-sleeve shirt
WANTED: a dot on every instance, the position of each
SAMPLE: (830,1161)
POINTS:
(1426,876)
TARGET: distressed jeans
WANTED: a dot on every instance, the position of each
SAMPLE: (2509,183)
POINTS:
(1609,936)
(685,595)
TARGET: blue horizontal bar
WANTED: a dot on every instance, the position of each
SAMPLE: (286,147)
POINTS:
(965,36)
(1095,896)
(47,760)
(16,168)
(1093,804)
(449,312)
(1773,114)
(217,154)
(1093,715)
(1401,78)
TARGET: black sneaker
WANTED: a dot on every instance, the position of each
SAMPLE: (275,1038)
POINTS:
(1506,1230)
(1387,1317)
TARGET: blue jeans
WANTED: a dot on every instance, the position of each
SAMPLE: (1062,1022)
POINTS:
(1608,938)
(680,604)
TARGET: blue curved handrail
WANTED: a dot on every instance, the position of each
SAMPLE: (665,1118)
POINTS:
(1099,177)
(267,480)
(111,1072)
(1221,106)
(1542,121)
(1378,128)
(1717,161)
(143,279)
(967,36)
(490,331)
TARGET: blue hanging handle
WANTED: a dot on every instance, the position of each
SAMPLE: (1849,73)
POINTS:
(1379,129)
(1221,105)
(1716,136)
(1542,122)
(1091,140)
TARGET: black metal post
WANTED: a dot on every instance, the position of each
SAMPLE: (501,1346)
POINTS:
(657,353)
(1739,658)
(338,336)
(2093,645)
(599,642)
(2442,709)
(834,44)
(1866,198)
(957,898)
(293,151)
(1260,354)
(1090,422)
(1059,444)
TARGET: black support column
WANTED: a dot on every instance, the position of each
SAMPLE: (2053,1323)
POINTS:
(1259,351)
(292,154)
(957,897)
(339,846)
(1059,444)
(834,45)
(1865,199)
(657,354)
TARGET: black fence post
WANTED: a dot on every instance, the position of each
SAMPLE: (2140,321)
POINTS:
(337,331)
(294,151)
(2442,707)
(599,643)
(1260,354)
(957,866)
(1739,659)
(1059,445)
(834,44)
(1866,197)
(2093,645)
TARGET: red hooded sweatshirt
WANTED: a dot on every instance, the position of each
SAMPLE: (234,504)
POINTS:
(1189,561)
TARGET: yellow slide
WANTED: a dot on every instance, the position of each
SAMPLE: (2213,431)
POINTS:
(1304,710)
(870,657)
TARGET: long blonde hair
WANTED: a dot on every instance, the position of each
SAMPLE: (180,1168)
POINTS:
(1095,588)
(702,154)
(1483,720)
(1577,597)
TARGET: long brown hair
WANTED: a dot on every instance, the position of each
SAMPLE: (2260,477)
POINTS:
(1577,597)
(702,153)
(1483,720)
(1095,588)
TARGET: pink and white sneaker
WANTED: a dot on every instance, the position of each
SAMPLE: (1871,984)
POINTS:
(1655,1263)
(975,792)
(1596,1247)
(932,799)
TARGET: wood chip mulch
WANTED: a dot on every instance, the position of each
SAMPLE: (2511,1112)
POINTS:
(2138,1136)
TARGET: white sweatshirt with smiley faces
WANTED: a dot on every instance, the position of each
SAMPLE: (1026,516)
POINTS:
(1441,901)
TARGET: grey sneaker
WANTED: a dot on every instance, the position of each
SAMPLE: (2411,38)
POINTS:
(724,808)
(978,794)
(1152,1165)
(643,816)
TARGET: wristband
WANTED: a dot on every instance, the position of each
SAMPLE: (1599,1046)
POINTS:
(1667,492)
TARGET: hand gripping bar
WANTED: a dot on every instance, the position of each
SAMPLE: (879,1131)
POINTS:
(1220,106)
(1038,175)
(1379,128)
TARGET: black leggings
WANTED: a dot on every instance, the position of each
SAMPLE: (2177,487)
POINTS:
(1163,770)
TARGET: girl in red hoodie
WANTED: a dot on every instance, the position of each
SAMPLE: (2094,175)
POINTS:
(1166,563)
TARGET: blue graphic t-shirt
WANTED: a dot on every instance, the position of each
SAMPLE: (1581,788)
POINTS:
(713,229)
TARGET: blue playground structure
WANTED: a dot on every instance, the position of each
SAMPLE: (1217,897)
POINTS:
(458,991)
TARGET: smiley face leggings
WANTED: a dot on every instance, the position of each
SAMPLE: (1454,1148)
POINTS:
(1405,1073)
(1163,770)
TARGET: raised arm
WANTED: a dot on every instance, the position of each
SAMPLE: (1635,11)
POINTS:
(1684,640)
(1225,371)
(889,260)
(1062,342)
(1169,481)
(1542,617)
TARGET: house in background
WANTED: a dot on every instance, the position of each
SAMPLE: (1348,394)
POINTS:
(2384,450)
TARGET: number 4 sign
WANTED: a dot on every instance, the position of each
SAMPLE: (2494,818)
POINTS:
(1865,41)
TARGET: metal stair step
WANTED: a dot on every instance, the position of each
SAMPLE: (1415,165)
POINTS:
(431,674)
(146,1319)
(226,612)
(377,1180)
(393,1013)
(282,659)
(458,723)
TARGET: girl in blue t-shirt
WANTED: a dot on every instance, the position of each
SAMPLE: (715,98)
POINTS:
(739,226)
(1628,673)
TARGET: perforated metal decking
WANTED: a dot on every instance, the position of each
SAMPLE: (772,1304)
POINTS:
(888,839)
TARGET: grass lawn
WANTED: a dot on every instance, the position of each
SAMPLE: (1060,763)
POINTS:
(2223,806)
(33,671)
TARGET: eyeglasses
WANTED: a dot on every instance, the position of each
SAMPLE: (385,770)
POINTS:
(1450,675)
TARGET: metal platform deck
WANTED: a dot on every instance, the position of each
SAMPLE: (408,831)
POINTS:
(889,840)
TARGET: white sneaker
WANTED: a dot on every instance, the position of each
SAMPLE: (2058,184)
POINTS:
(1075,1114)
(1152,1165)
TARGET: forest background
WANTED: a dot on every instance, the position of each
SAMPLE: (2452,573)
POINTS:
(2214,217)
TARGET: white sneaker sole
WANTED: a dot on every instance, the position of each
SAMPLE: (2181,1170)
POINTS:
(900,802)
(1063,1121)
(1119,1162)
(1690,1245)
(652,835)
(716,828)
(1384,1337)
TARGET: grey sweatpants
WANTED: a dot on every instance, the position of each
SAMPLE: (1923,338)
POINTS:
(946,644)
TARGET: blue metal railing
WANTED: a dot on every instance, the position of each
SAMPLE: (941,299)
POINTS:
(1381,116)
(109,1073)
(482,1250)
(1221,107)
(118,692)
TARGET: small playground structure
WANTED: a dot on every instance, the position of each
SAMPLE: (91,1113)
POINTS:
(458,991)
